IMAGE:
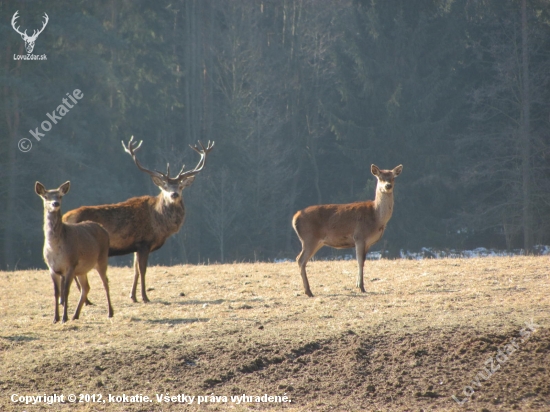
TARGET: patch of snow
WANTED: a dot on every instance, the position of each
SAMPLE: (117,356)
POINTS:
(431,253)
(283,260)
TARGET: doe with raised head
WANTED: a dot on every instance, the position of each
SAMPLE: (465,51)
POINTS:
(71,251)
(359,224)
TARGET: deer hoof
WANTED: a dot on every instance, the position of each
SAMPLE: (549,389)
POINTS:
(308,292)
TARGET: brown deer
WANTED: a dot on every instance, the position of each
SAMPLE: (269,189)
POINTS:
(71,251)
(359,224)
(141,225)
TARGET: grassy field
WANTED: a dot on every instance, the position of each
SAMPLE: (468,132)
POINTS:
(421,334)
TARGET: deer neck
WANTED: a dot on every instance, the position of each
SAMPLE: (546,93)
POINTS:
(53,226)
(162,205)
(383,206)
(169,214)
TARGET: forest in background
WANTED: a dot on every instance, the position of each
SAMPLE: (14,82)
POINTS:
(301,97)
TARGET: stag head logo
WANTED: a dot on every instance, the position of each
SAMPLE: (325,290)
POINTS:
(29,40)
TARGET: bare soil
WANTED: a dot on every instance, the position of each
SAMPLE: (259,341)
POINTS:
(423,332)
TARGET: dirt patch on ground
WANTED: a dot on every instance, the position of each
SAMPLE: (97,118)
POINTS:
(424,332)
(348,372)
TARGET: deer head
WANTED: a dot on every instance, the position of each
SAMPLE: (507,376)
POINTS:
(171,187)
(385,177)
(52,198)
(29,40)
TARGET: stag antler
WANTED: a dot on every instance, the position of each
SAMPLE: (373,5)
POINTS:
(131,149)
(203,152)
(15,17)
(35,32)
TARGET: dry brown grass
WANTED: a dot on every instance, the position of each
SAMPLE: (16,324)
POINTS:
(418,336)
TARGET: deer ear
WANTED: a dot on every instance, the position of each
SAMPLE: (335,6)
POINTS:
(39,189)
(158,181)
(397,170)
(64,188)
(187,182)
(374,170)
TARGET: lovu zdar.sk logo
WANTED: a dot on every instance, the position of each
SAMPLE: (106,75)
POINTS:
(29,40)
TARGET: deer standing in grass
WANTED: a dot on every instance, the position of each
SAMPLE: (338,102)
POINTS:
(359,224)
(71,251)
(141,225)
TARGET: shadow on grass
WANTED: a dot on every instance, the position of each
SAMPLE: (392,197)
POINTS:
(177,321)
(19,338)
(352,294)
(190,302)
(220,301)
(202,302)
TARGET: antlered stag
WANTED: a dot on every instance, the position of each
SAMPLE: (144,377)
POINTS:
(71,251)
(359,224)
(141,225)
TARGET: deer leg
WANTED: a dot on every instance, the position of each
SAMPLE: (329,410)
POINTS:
(136,277)
(87,302)
(85,288)
(60,285)
(308,250)
(56,292)
(360,251)
(140,267)
(67,280)
(102,270)
(143,256)
(61,294)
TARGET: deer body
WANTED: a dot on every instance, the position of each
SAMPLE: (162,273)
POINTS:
(141,225)
(71,251)
(155,222)
(340,226)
